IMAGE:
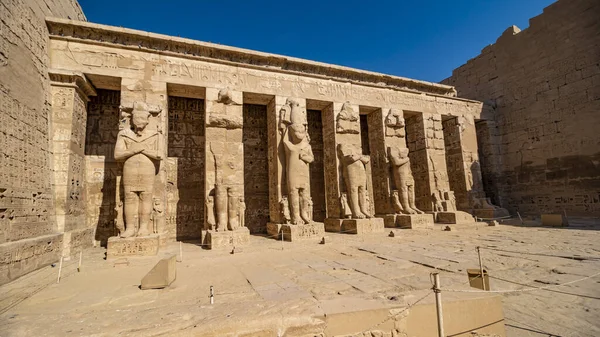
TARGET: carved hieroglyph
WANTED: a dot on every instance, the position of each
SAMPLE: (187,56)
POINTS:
(394,124)
(298,154)
(347,121)
(139,146)
(355,177)
(403,179)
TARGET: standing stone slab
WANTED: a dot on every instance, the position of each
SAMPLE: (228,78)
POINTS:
(414,221)
(134,246)
(162,275)
(225,239)
(553,220)
(313,230)
(453,217)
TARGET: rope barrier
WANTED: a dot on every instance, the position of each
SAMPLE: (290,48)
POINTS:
(579,258)
(395,315)
(532,288)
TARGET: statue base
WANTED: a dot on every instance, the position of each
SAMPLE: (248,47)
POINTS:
(313,230)
(490,213)
(212,239)
(355,226)
(456,217)
(414,221)
(135,246)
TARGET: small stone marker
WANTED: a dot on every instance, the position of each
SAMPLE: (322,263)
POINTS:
(553,220)
(392,234)
(322,241)
(121,262)
(162,275)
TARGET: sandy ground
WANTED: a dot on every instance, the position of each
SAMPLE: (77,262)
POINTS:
(270,287)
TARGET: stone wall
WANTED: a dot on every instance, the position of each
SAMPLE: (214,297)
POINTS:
(28,233)
(540,145)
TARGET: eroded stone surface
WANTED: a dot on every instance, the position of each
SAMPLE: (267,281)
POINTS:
(313,230)
(212,239)
(161,275)
(414,221)
(133,246)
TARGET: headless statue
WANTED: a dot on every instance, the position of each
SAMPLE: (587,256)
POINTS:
(298,157)
(403,179)
(355,178)
(138,147)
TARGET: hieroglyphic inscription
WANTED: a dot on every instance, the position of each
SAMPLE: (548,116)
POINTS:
(256,167)
(317,175)
(185,195)
(102,169)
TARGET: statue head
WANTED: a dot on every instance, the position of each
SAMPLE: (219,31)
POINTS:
(138,114)
(139,119)
(403,152)
(225,96)
(297,132)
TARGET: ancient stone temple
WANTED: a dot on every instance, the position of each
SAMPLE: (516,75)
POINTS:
(131,140)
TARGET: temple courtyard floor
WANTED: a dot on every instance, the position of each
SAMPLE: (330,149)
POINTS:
(274,288)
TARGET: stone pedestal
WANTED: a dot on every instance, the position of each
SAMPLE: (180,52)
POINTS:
(354,226)
(453,217)
(135,246)
(389,220)
(414,221)
(225,239)
(490,213)
(315,230)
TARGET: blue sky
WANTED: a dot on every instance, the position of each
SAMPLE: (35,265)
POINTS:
(421,39)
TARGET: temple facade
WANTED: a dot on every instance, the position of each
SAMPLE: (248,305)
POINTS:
(168,136)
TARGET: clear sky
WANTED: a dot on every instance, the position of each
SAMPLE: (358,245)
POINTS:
(421,39)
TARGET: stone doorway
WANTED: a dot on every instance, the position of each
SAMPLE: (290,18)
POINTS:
(317,173)
(256,167)
(185,170)
(102,170)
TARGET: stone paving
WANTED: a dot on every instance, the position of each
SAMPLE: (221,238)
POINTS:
(272,286)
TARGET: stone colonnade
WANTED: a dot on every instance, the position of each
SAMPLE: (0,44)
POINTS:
(367,119)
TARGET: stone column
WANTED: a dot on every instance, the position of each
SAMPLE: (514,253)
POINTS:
(224,170)
(345,168)
(425,139)
(386,128)
(150,97)
(70,92)
(465,172)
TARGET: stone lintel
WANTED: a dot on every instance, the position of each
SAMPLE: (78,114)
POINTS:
(225,239)
(135,246)
(314,230)
(63,29)
(414,221)
(453,217)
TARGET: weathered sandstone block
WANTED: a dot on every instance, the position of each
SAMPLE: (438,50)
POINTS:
(139,245)
(313,230)
(162,275)
(225,239)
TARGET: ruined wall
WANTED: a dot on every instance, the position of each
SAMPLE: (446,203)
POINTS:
(28,237)
(540,147)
